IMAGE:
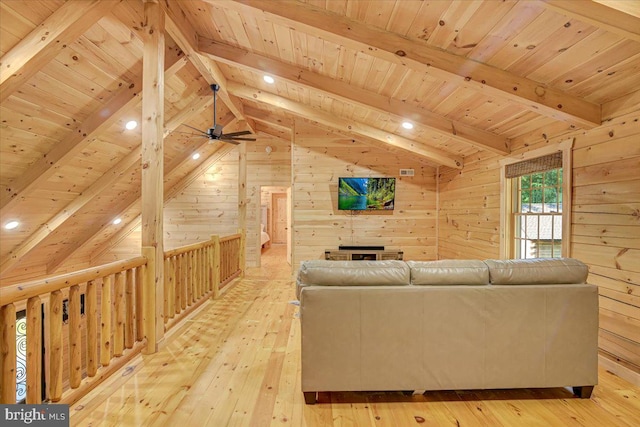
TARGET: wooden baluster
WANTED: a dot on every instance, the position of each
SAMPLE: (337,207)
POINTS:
(91,311)
(105,322)
(223,260)
(129,336)
(34,350)
(203,269)
(198,275)
(190,278)
(194,278)
(179,284)
(8,354)
(118,333)
(75,338)
(184,261)
(208,269)
(139,318)
(172,288)
(55,343)
(215,262)
(242,252)
(231,256)
(167,287)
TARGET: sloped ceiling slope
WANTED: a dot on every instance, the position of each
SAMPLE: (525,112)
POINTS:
(472,76)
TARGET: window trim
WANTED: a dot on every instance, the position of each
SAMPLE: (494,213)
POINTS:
(506,196)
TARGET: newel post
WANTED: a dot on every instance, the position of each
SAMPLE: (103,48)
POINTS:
(149,299)
(152,171)
(242,255)
(215,265)
(8,354)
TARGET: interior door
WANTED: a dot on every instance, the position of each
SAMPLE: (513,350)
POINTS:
(279,216)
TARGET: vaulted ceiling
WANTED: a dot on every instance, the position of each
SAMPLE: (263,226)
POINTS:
(472,76)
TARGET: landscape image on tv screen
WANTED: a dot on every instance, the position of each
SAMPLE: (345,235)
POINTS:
(358,194)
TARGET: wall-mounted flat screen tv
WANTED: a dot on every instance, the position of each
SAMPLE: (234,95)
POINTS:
(361,194)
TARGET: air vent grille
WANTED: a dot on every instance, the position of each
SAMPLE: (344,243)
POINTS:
(406,172)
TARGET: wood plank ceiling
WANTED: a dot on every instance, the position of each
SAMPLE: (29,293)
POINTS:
(470,75)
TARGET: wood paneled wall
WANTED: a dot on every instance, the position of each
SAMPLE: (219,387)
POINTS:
(605,221)
(208,206)
(319,159)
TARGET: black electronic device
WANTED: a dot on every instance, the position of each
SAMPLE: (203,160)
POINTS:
(361,248)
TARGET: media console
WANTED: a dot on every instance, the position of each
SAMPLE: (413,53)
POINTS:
(362,253)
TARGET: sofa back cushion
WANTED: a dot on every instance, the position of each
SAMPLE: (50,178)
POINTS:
(449,272)
(537,271)
(353,273)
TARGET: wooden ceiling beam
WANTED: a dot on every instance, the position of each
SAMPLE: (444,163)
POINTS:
(45,42)
(354,95)
(301,110)
(97,122)
(269,118)
(272,131)
(599,15)
(421,57)
(183,34)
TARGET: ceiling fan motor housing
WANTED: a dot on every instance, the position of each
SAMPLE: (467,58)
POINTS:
(215,132)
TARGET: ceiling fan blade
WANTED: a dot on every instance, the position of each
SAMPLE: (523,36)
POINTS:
(230,141)
(237,139)
(196,129)
(191,134)
(242,132)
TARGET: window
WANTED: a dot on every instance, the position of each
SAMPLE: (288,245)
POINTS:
(536,204)
(537,215)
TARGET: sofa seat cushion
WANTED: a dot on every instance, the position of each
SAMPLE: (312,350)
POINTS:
(537,271)
(449,272)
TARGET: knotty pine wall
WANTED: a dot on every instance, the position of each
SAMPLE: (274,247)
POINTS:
(605,221)
(208,206)
(319,159)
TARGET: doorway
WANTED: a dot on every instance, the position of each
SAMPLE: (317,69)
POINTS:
(275,201)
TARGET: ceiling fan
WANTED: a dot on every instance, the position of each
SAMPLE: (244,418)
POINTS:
(214,133)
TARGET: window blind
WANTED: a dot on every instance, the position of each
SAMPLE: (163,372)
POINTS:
(539,164)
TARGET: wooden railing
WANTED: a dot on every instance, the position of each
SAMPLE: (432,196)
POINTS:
(231,258)
(111,324)
(196,272)
(104,323)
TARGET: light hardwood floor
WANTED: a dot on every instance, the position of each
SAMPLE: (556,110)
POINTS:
(236,362)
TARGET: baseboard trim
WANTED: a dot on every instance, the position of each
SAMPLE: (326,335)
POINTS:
(622,371)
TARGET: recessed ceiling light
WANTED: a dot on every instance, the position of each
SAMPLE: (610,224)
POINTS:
(195,156)
(11,225)
(269,79)
(407,125)
(117,221)
(131,124)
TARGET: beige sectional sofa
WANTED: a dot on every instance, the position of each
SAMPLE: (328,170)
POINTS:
(447,325)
